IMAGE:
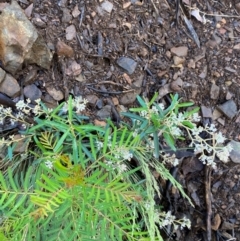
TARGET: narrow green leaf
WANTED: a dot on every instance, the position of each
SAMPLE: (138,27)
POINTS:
(170,141)
(58,147)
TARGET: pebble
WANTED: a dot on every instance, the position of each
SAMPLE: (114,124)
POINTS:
(64,50)
(30,77)
(127,64)
(214,92)
(107,6)
(227,226)
(216,114)
(206,112)
(105,112)
(2,74)
(177,60)
(67,17)
(21,144)
(70,32)
(92,99)
(9,86)
(229,109)
(176,85)
(56,94)
(181,51)
(235,153)
(129,98)
(32,92)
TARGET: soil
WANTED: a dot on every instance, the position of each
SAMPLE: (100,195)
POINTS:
(148,32)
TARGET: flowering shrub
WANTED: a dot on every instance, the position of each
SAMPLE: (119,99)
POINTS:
(83,182)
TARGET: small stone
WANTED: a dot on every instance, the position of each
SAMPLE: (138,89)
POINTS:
(32,92)
(70,32)
(237,6)
(216,114)
(9,86)
(56,94)
(107,6)
(20,42)
(229,96)
(49,101)
(216,222)
(227,226)
(214,92)
(99,104)
(129,98)
(176,85)
(127,64)
(64,50)
(203,75)
(206,112)
(100,123)
(235,153)
(230,70)
(67,17)
(180,51)
(229,109)
(92,99)
(127,78)
(221,121)
(105,112)
(115,101)
(75,11)
(2,75)
(191,64)
(177,60)
(30,77)
(21,144)
(126,5)
(39,22)
(237,46)
(28,10)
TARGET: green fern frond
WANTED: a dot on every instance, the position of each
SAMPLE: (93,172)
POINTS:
(48,140)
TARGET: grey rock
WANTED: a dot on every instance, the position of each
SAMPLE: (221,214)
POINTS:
(20,41)
(32,92)
(235,153)
(214,92)
(107,6)
(56,94)
(206,112)
(227,226)
(2,74)
(92,99)
(30,77)
(129,98)
(229,109)
(99,104)
(127,64)
(67,17)
(105,112)
(181,51)
(9,86)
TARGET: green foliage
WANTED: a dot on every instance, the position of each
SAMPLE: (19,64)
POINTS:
(81,183)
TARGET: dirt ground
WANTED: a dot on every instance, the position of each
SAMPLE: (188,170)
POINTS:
(167,59)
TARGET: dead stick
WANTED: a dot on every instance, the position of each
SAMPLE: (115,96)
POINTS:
(208,201)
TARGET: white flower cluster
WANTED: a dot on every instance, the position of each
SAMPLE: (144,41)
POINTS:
(26,108)
(49,164)
(169,219)
(121,167)
(171,159)
(23,109)
(78,103)
(210,147)
(153,110)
